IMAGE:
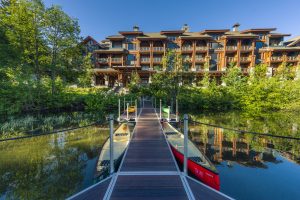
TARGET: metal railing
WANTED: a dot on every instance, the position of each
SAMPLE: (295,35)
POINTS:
(231,59)
(187,48)
(231,47)
(144,48)
(246,47)
(245,59)
(103,60)
(158,48)
(201,48)
(116,59)
(292,58)
(276,58)
(145,59)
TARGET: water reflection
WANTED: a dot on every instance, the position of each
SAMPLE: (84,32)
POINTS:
(49,167)
(250,166)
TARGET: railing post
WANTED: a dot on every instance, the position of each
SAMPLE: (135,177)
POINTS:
(119,119)
(127,111)
(169,110)
(136,110)
(160,109)
(111,140)
(176,110)
(185,128)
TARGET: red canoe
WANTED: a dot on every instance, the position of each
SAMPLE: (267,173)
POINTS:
(198,164)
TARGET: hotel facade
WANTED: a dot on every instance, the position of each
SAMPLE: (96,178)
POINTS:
(212,51)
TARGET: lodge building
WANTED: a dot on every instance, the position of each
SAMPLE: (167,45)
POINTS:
(116,57)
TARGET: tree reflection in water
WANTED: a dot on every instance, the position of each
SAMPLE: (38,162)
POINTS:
(48,167)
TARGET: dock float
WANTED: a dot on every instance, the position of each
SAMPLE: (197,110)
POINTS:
(149,170)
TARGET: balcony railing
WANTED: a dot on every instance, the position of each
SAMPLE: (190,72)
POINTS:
(201,48)
(244,47)
(276,58)
(157,59)
(145,60)
(245,59)
(103,60)
(231,48)
(144,48)
(292,58)
(187,48)
(158,49)
(116,59)
(200,59)
(231,59)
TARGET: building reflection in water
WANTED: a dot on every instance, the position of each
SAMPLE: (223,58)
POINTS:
(226,146)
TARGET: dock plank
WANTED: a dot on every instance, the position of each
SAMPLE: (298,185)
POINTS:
(148,187)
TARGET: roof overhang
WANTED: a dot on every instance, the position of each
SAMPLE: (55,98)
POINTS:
(170,32)
(259,30)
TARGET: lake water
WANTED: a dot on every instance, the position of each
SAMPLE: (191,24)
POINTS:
(252,167)
(50,167)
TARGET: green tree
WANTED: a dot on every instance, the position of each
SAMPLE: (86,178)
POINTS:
(62,34)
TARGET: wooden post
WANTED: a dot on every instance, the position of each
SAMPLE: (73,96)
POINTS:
(111,145)
(185,127)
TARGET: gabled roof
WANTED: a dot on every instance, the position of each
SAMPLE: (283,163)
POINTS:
(207,31)
(88,38)
(115,37)
(155,35)
(278,34)
(293,41)
(195,35)
(237,34)
(171,32)
(131,32)
(259,30)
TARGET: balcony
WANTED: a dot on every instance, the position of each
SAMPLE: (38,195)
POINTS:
(145,49)
(246,48)
(245,59)
(231,48)
(276,59)
(157,60)
(230,59)
(292,58)
(103,60)
(200,59)
(187,48)
(116,60)
(158,49)
(201,48)
(145,60)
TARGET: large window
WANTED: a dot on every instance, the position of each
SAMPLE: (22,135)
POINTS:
(131,46)
(130,59)
(117,44)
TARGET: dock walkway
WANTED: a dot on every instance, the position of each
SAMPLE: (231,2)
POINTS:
(149,170)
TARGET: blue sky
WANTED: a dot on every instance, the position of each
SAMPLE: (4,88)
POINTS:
(100,18)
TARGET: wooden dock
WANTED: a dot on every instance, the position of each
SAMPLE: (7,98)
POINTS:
(149,170)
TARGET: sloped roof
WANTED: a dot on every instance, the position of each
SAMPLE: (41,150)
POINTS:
(258,30)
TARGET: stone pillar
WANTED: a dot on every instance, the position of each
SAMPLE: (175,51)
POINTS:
(106,79)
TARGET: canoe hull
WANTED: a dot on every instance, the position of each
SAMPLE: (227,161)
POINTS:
(204,175)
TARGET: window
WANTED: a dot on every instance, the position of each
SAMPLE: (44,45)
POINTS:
(130,46)
(172,38)
(117,44)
